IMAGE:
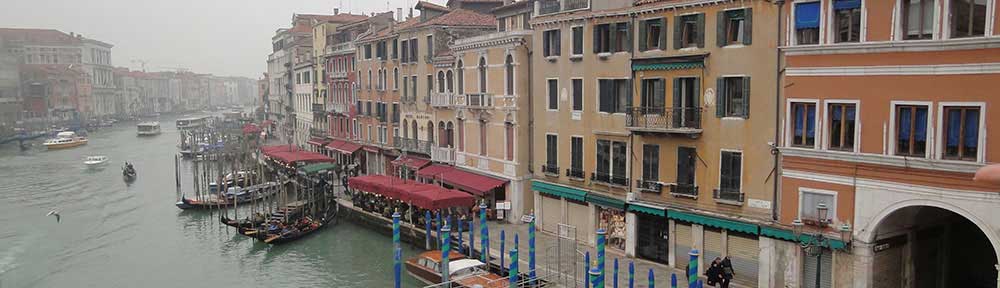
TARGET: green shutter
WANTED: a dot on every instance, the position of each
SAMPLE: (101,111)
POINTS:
(677,32)
(720,28)
(677,121)
(660,95)
(663,34)
(701,30)
(643,94)
(642,35)
(746,97)
(720,97)
(545,43)
(747,26)
(697,93)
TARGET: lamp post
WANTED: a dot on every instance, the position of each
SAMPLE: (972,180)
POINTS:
(813,244)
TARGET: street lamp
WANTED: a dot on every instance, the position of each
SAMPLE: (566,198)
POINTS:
(813,245)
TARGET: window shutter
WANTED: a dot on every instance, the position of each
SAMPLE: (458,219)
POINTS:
(674,113)
(613,35)
(697,93)
(545,43)
(720,97)
(597,38)
(558,49)
(747,26)
(701,30)
(746,97)
(663,34)
(720,28)
(677,32)
(660,95)
(628,34)
(642,35)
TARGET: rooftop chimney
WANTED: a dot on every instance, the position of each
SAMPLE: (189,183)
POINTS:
(336,11)
(399,14)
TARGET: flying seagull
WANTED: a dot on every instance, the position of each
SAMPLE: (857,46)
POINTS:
(54,213)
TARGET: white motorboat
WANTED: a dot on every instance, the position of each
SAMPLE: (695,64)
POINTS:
(148,128)
(65,139)
(94,161)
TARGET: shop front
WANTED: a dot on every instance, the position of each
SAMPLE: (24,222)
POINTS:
(610,217)
(553,198)
(652,233)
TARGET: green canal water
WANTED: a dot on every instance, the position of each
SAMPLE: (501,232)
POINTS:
(118,235)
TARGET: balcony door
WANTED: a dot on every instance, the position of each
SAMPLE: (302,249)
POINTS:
(685,169)
(685,108)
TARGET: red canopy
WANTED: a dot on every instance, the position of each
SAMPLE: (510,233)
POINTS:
(421,195)
(343,147)
(411,162)
(441,198)
(317,141)
(471,182)
(434,170)
(291,154)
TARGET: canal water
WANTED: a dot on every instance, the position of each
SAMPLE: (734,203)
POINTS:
(118,235)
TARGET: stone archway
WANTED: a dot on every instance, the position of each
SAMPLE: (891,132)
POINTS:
(926,243)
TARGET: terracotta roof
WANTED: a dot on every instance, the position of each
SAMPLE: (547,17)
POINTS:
(37,36)
(429,5)
(461,17)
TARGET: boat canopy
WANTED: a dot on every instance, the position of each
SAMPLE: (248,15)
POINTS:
(461,264)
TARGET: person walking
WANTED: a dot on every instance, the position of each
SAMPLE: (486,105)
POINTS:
(727,271)
(714,273)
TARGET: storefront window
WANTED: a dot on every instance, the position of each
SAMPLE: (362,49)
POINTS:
(652,242)
(613,221)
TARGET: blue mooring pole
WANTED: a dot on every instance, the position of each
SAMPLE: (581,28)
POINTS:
(586,268)
(472,238)
(397,255)
(445,251)
(459,225)
(531,252)
(673,280)
(615,278)
(503,238)
(652,280)
(485,237)
(427,230)
(631,274)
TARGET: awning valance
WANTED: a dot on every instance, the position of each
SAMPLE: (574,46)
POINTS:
(783,234)
(559,191)
(317,142)
(713,222)
(668,66)
(605,200)
(291,154)
(343,147)
(471,182)
(647,208)
(425,196)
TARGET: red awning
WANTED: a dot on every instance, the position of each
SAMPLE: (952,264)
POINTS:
(317,141)
(440,198)
(370,148)
(471,182)
(251,129)
(434,170)
(426,196)
(411,162)
(291,154)
(343,147)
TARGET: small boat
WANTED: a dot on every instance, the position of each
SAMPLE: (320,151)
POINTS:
(281,229)
(128,172)
(148,128)
(95,161)
(246,223)
(215,200)
(426,267)
(65,139)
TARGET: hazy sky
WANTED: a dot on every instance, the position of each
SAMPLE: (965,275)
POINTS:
(222,37)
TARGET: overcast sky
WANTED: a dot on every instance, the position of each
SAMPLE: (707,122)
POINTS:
(222,37)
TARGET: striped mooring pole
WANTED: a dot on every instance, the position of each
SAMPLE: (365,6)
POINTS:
(615,277)
(503,238)
(631,274)
(427,230)
(594,275)
(513,266)
(438,224)
(586,269)
(484,235)
(531,252)
(445,250)
(601,234)
(472,238)
(459,225)
(693,267)
(397,255)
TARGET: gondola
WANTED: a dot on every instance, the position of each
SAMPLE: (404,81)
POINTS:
(245,223)
(243,196)
(128,173)
(276,233)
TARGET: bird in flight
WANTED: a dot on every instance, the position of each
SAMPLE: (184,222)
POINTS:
(54,212)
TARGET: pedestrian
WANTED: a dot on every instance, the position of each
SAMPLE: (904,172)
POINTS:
(714,273)
(727,271)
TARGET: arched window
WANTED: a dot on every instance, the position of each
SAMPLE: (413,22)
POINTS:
(509,67)
(413,125)
(482,74)
(369,79)
(395,78)
(430,131)
(406,130)
(451,89)
(461,78)
(451,135)
(442,135)
(440,81)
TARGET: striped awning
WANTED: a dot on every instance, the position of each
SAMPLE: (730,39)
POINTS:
(559,191)
(668,66)
(713,222)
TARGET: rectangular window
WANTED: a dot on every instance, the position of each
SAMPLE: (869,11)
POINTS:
(653,96)
(603,169)
(689,31)
(611,162)
(842,122)
(734,27)
(968,18)
(395,48)
(652,34)
(578,40)
(961,133)
(553,94)
(734,97)
(918,19)
(730,175)
(368,51)
(405,48)
(686,158)
(847,18)
(803,124)
(430,47)
(551,154)
(911,130)
(413,88)
(576,157)
(621,39)
(614,95)
(602,38)
(807,23)
(551,43)
(406,87)
(810,200)
(413,50)
(650,162)
(577,94)
(618,163)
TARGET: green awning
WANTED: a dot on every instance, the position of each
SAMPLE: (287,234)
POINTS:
(313,168)
(605,200)
(783,234)
(559,191)
(713,222)
(668,66)
(635,207)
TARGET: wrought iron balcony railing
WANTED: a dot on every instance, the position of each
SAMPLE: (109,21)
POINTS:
(689,190)
(609,179)
(412,145)
(577,173)
(728,195)
(649,186)
(664,120)
(550,169)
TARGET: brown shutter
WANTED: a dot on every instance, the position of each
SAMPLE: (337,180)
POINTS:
(720,28)
(663,34)
(747,26)
(678,25)
(642,35)
(701,30)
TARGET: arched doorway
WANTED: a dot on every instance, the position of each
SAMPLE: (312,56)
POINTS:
(927,246)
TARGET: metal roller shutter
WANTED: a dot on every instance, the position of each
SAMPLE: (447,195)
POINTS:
(888,267)
(552,214)
(744,252)
(579,216)
(809,270)
(682,245)
(713,245)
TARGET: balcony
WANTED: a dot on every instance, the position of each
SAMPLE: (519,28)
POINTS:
(684,190)
(649,186)
(340,48)
(338,74)
(575,173)
(728,196)
(318,133)
(550,170)
(412,145)
(680,121)
(442,100)
(475,101)
(609,179)
(443,154)
(339,108)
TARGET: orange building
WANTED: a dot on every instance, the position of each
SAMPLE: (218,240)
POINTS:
(885,107)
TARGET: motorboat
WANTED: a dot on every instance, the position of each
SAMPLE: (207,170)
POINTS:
(426,267)
(94,161)
(65,139)
(148,128)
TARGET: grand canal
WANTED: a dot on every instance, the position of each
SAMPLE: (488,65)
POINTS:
(118,235)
